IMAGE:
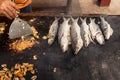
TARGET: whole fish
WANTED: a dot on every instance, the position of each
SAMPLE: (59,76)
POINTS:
(87,34)
(96,32)
(53,31)
(107,30)
(77,42)
(63,34)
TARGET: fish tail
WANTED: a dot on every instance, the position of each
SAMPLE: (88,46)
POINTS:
(92,20)
(74,20)
(91,39)
(66,19)
(57,18)
(102,18)
(77,19)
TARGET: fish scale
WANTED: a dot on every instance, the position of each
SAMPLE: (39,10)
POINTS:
(96,32)
(86,34)
(107,30)
(63,35)
(53,31)
(77,42)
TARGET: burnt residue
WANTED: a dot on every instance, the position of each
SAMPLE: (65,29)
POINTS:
(92,63)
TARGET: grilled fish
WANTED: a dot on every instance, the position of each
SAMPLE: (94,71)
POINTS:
(87,34)
(53,31)
(77,42)
(96,32)
(63,34)
(107,30)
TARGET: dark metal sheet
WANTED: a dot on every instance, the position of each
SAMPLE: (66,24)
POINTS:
(92,63)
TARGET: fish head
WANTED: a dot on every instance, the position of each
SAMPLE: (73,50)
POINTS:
(50,41)
(77,49)
(64,48)
(64,44)
(100,39)
(108,33)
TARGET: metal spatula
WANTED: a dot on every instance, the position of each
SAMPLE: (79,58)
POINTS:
(19,28)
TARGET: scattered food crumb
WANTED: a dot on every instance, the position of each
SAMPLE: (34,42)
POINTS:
(18,72)
(44,53)
(2,27)
(32,20)
(55,70)
(34,77)
(35,32)
(35,57)
(4,65)
(44,37)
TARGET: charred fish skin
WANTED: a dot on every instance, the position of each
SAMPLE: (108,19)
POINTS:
(87,34)
(77,42)
(53,31)
(96,32)
(105,26)
(63,34)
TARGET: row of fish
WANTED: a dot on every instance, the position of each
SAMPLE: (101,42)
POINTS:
(79,35)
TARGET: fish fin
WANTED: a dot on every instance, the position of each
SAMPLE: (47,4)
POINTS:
(85,19)
(90,37)
(77,19)
(64,18)
(68,19)
(72,18)
(81,19)
(60,37)
(91,40)
(111,30)
(101,17)
(76,52)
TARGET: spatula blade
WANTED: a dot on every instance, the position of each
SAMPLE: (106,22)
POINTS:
(19,28)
